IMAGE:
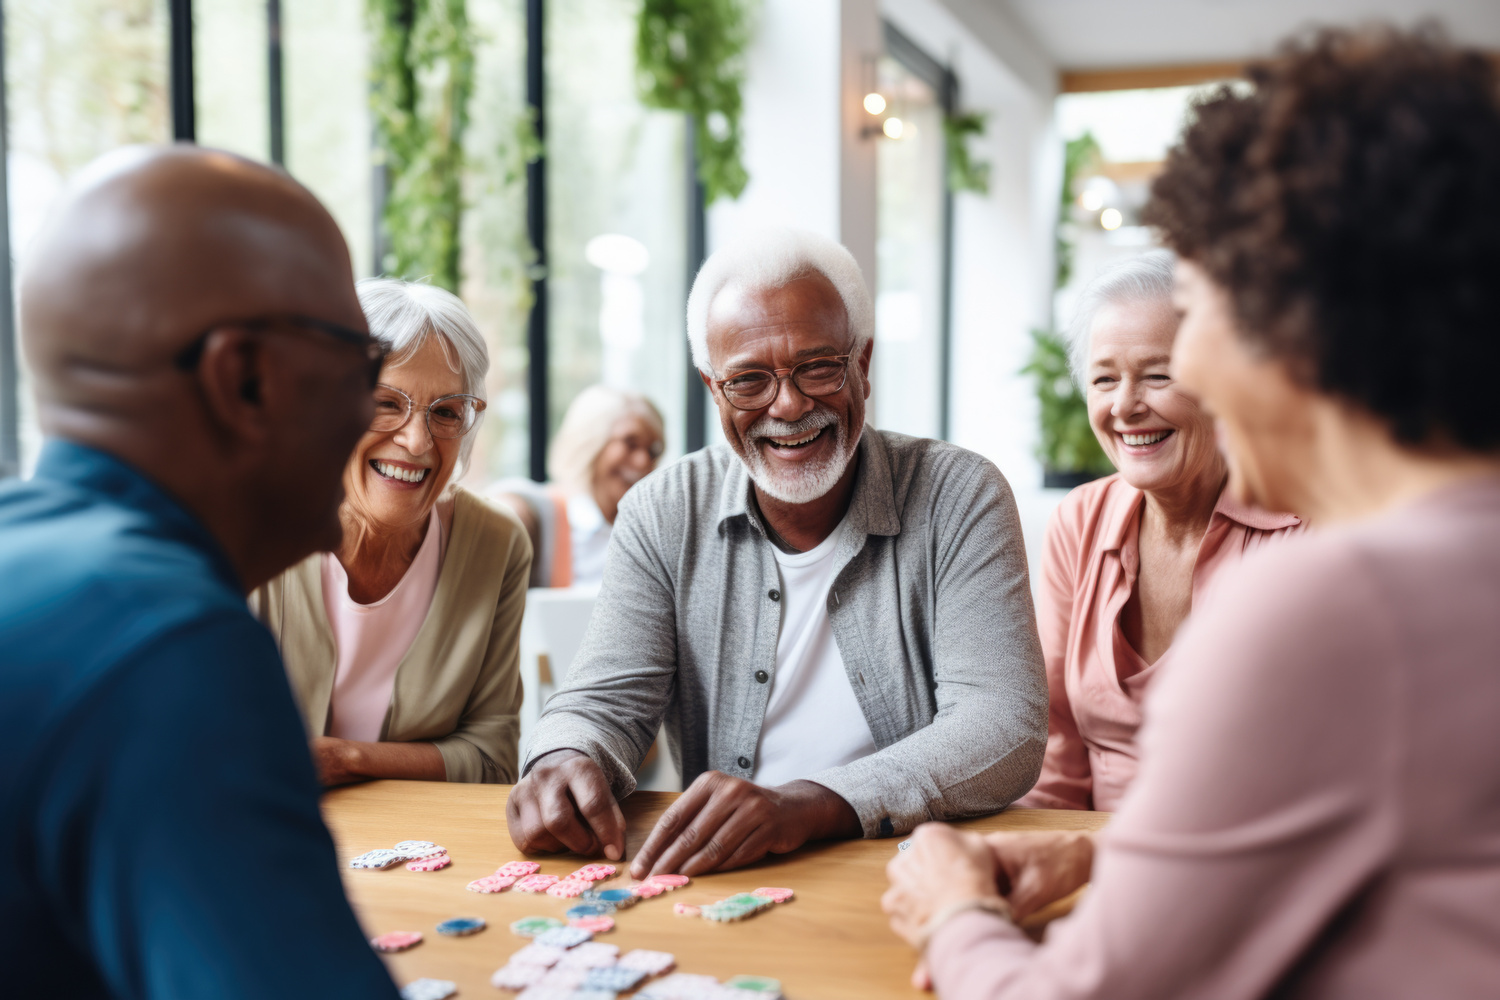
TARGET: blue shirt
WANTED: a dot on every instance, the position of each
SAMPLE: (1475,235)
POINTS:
(159,825)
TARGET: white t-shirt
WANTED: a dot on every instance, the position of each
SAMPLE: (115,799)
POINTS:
(588,533)
(813,721)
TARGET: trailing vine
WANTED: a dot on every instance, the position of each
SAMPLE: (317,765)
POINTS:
(1079,154)
(423,74)
(964,172)
(690,57)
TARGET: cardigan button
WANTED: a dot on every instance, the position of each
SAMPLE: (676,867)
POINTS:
(744,762)
(774,595)
(762,676)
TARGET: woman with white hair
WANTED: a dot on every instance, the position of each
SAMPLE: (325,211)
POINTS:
(403,646)
(1126,556)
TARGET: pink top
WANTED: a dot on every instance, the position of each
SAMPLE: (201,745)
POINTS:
(370,640)
(1095,678)
(1318,806)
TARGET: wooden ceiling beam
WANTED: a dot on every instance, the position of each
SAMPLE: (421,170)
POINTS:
(1079,81)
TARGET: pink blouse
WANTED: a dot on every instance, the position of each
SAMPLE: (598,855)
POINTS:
(1317,812)
(1095,679)
(371,640)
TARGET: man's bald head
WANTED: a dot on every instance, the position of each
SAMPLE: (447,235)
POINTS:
(153,245)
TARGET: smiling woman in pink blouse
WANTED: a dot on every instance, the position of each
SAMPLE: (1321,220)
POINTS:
(1127,556)
(1317,809)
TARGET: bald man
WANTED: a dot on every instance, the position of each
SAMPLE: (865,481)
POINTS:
(202,370)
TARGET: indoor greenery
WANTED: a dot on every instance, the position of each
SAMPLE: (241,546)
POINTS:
(690,57)
(423,72)
(1078,155)
(1068,444)
(964,172)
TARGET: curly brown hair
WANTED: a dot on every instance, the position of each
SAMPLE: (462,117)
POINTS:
(1349,203)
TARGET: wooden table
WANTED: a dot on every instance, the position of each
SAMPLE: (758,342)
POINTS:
(831,941)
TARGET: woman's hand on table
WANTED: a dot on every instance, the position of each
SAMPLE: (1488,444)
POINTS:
(1034,869)
(943,869)
(340,762)
(336,760)
(565,804)
(723,822)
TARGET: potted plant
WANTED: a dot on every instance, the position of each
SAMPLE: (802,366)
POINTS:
(1070,453)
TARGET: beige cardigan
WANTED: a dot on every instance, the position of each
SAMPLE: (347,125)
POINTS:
(459,685)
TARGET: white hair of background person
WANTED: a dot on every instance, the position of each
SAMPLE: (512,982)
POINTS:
(403,314)
(772,258)
(586,429)
(1145,277)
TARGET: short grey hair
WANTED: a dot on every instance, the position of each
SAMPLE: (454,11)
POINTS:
(773,258)
(1145,277)
(404,314)
(586,429)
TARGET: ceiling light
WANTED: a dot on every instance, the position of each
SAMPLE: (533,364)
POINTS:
(892,128)
(874,103)
(1111,218)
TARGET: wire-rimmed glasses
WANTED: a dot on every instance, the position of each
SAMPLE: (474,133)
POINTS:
(756,388)
(447,417)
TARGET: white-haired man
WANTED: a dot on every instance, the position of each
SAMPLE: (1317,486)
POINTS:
(835,623)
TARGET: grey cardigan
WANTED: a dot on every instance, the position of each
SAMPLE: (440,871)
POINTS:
(930,607)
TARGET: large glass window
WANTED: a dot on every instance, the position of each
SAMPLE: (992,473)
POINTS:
(82,77)
(230,87)
(617,227)
(911,238)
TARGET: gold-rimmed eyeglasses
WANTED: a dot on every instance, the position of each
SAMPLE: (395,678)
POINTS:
(447,417)
(756,388)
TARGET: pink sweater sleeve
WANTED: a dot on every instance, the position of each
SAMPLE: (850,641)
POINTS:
(1264,805)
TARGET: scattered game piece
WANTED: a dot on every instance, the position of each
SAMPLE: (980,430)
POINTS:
(736,907)
(592,955)
(536,883)
(519,869)
(461,926)
(414,849)
(905,845)
(380,859)
(764,985)
(686,910)
(563,978)
(395,940)
(619,898)
(563,937)
(646,890)
(568,888)
(517,977)
(590,909)
(773,894)
(543,955)
(670,881)
(595,995)
(430,864)
(612,977)
(594,925)
(491,883)
(594,873)
(428,989)
(652,963)
(542,991)
(679,986)
(532,926)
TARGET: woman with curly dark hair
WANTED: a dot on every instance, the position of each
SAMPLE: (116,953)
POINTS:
(1317,811)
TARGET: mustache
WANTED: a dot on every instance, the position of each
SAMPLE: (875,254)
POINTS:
(769,426)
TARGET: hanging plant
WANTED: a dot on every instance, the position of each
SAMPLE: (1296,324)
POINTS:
(690,57)
(964,172)
(1079,154)
(423,73)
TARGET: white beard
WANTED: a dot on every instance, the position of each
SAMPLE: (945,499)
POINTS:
(810,482)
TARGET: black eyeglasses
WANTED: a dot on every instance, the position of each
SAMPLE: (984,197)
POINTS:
(188,358)
(756,388)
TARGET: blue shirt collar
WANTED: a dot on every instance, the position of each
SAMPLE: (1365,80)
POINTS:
(99,472)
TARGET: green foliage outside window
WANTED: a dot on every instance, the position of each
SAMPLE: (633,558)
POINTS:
(1068,443)
(964,172)
(1078,155)
(423,74)
(690,57)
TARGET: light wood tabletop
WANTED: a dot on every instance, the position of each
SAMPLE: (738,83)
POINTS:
(830,942)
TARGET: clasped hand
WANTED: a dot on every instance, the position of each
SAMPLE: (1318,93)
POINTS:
(720,822)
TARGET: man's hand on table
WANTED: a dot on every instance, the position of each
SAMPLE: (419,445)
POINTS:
(724,822)
(565,804)
(1034,869)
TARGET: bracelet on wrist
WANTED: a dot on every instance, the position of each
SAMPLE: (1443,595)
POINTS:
(988,904)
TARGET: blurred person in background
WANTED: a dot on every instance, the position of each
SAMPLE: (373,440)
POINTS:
(403,645)
(609,440)
(1127,556)
(1318,798)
